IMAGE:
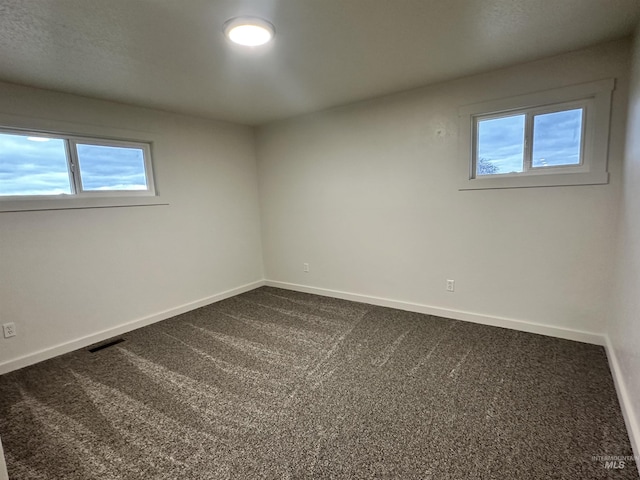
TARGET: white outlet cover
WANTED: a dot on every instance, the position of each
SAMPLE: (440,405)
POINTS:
(9,330)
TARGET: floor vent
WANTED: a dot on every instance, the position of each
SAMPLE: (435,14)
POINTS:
(108,344)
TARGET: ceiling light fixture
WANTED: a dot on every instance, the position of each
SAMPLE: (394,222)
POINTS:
(249,31)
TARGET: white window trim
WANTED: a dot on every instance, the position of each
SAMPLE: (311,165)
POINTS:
(596,96)
(90,134)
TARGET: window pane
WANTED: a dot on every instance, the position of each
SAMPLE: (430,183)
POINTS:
(33,166)
(557,138)
(500,145)
(111,168)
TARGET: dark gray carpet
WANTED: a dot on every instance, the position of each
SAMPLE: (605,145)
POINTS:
(277,384)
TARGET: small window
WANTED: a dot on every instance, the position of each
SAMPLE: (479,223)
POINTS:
(557,138)
(526,142)
(33,165)
(553,138)
(44,165)
(111,168)
(500,144)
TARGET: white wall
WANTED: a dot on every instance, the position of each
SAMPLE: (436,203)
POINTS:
(367,195)
(624,323)
(69,274)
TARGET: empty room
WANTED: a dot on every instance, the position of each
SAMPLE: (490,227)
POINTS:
(307,239)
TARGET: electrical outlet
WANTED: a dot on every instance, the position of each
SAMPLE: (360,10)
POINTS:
(451,285)
(9,330)
(305,267)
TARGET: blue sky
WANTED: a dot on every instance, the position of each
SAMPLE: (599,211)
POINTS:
(501,143)
(111,168)
(556,140)
(31,167)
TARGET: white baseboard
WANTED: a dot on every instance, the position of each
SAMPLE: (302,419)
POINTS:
(522,325)
(47,353)
(3,466)
(633,428)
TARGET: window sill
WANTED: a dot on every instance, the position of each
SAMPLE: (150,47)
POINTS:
(78,203)
(530,181)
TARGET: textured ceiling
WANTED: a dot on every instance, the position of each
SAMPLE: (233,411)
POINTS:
(172,54)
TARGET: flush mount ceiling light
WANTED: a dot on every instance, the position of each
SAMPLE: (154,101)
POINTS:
(249,31)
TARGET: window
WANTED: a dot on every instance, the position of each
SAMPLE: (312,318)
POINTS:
(42,170)
(552,138)
(113,168)
(35,163)
(526,142)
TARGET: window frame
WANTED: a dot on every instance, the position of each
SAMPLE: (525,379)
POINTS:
(529,132)
(83,134)
(77,175)
(593,97)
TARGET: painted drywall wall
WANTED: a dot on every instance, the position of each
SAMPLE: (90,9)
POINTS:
(68,274)
(367,194)
(624,323)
